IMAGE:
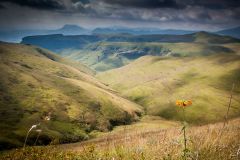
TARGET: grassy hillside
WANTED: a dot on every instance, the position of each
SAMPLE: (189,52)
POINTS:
(157,82)
(35,83)
(205,37)
(108,55)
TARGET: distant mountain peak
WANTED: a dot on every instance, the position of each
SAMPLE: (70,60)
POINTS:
(71,29)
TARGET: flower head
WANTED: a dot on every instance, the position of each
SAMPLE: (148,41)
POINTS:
(34,126)
(183,103)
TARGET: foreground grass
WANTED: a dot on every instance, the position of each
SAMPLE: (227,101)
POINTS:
(209,142)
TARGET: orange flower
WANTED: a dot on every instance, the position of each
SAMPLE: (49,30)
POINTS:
(183,103)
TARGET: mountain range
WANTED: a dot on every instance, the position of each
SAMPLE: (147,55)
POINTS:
(17,35)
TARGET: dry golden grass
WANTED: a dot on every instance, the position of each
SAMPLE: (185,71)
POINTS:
(208,142)
(204,142)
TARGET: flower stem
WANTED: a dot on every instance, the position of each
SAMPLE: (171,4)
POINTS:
(185,141)
(36,139)
(184,134)
(26,139)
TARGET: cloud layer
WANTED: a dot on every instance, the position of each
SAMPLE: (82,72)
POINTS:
(38,4)
(193,14)
(145,3)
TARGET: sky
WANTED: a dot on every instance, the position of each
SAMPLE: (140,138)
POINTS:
(209,15)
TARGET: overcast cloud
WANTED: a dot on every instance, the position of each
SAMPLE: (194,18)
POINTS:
(174,14)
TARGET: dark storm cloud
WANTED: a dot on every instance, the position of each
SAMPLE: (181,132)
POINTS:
(141,4)
(167,13)
(196,11)
(214,4)
(38,4)
(176,4)
(145,3)
(1,6)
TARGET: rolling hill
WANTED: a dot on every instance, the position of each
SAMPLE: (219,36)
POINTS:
(157,82)
(104,56)
(36,83)
(108,55)
(104,52)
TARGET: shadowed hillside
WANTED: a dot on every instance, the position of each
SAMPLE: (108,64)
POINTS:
(35,83)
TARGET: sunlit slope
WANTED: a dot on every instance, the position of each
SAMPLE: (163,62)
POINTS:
(109,55)
(157,82)
(35,83)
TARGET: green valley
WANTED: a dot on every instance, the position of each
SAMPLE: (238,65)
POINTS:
(120,80)
(128,95)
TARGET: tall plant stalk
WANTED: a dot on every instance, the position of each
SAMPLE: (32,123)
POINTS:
(182,104)
(229,104)
(184,135)
(39,132)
